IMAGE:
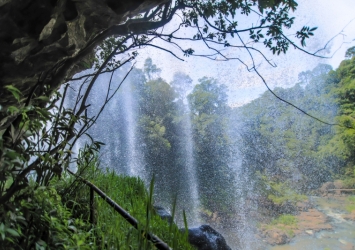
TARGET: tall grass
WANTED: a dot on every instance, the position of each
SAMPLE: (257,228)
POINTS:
(111,230)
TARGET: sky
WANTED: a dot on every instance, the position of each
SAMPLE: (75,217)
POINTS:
(334,19)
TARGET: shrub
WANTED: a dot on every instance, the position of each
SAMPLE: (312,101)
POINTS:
(41,221)
(278,192)
(285,219)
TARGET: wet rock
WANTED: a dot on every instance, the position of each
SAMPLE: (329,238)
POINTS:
(303,206)
(277,237)
(346,245)
(350,216)
(325,189)
(39,36)
(310,232)
(206,238)
(313,220)
(309,222)
(165,215)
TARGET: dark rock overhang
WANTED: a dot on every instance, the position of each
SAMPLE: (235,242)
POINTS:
(42,41)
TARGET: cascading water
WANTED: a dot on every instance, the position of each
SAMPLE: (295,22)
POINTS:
(243,229)
(221,163)
(182,85)
(188,154)
(119,118)
(134,161)
(191,182)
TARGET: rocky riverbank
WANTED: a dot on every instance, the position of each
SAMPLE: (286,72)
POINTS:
(324,221)
(319,215)
(306,222)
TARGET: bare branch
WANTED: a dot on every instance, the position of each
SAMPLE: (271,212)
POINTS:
(283,100)
(170,52)
(331,39)
(84,129)
(303,50)
(103,65)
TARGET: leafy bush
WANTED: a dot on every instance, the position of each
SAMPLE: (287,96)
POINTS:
(41,207)
(41,221)
(279,192)
(348,178)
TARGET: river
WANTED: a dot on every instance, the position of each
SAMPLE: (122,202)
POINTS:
(341,236)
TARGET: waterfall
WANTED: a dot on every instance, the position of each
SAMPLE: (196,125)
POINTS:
(134,161)
(190,167)
(245,205)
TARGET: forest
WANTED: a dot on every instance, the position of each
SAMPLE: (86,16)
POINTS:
(268,136)
(264,152)
(77,115)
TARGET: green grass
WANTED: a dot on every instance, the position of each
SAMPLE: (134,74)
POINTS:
(350,206)
(286,222)
(285,219)
(57,216)
(111,230)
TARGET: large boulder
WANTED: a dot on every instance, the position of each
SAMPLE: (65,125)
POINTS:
(206,238)
(277,237)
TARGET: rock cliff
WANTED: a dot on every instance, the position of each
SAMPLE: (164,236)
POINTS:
(42,42)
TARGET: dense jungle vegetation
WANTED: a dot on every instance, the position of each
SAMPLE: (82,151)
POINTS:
(163,115)
(278,146)
(45,43)
(301,147)
(281,148)
(285,152)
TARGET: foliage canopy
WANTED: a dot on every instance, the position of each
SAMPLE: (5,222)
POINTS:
(36,145)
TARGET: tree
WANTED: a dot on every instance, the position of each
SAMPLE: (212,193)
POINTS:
(44,43)
(280,144)
(60,38)
(208,104)
(150,69)
(341,88)
(157,132)
(350,52)
(182,84)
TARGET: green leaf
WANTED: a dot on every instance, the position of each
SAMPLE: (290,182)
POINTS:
(42,98)
(13,110)
(14,91)
(12,232)
(74,229)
